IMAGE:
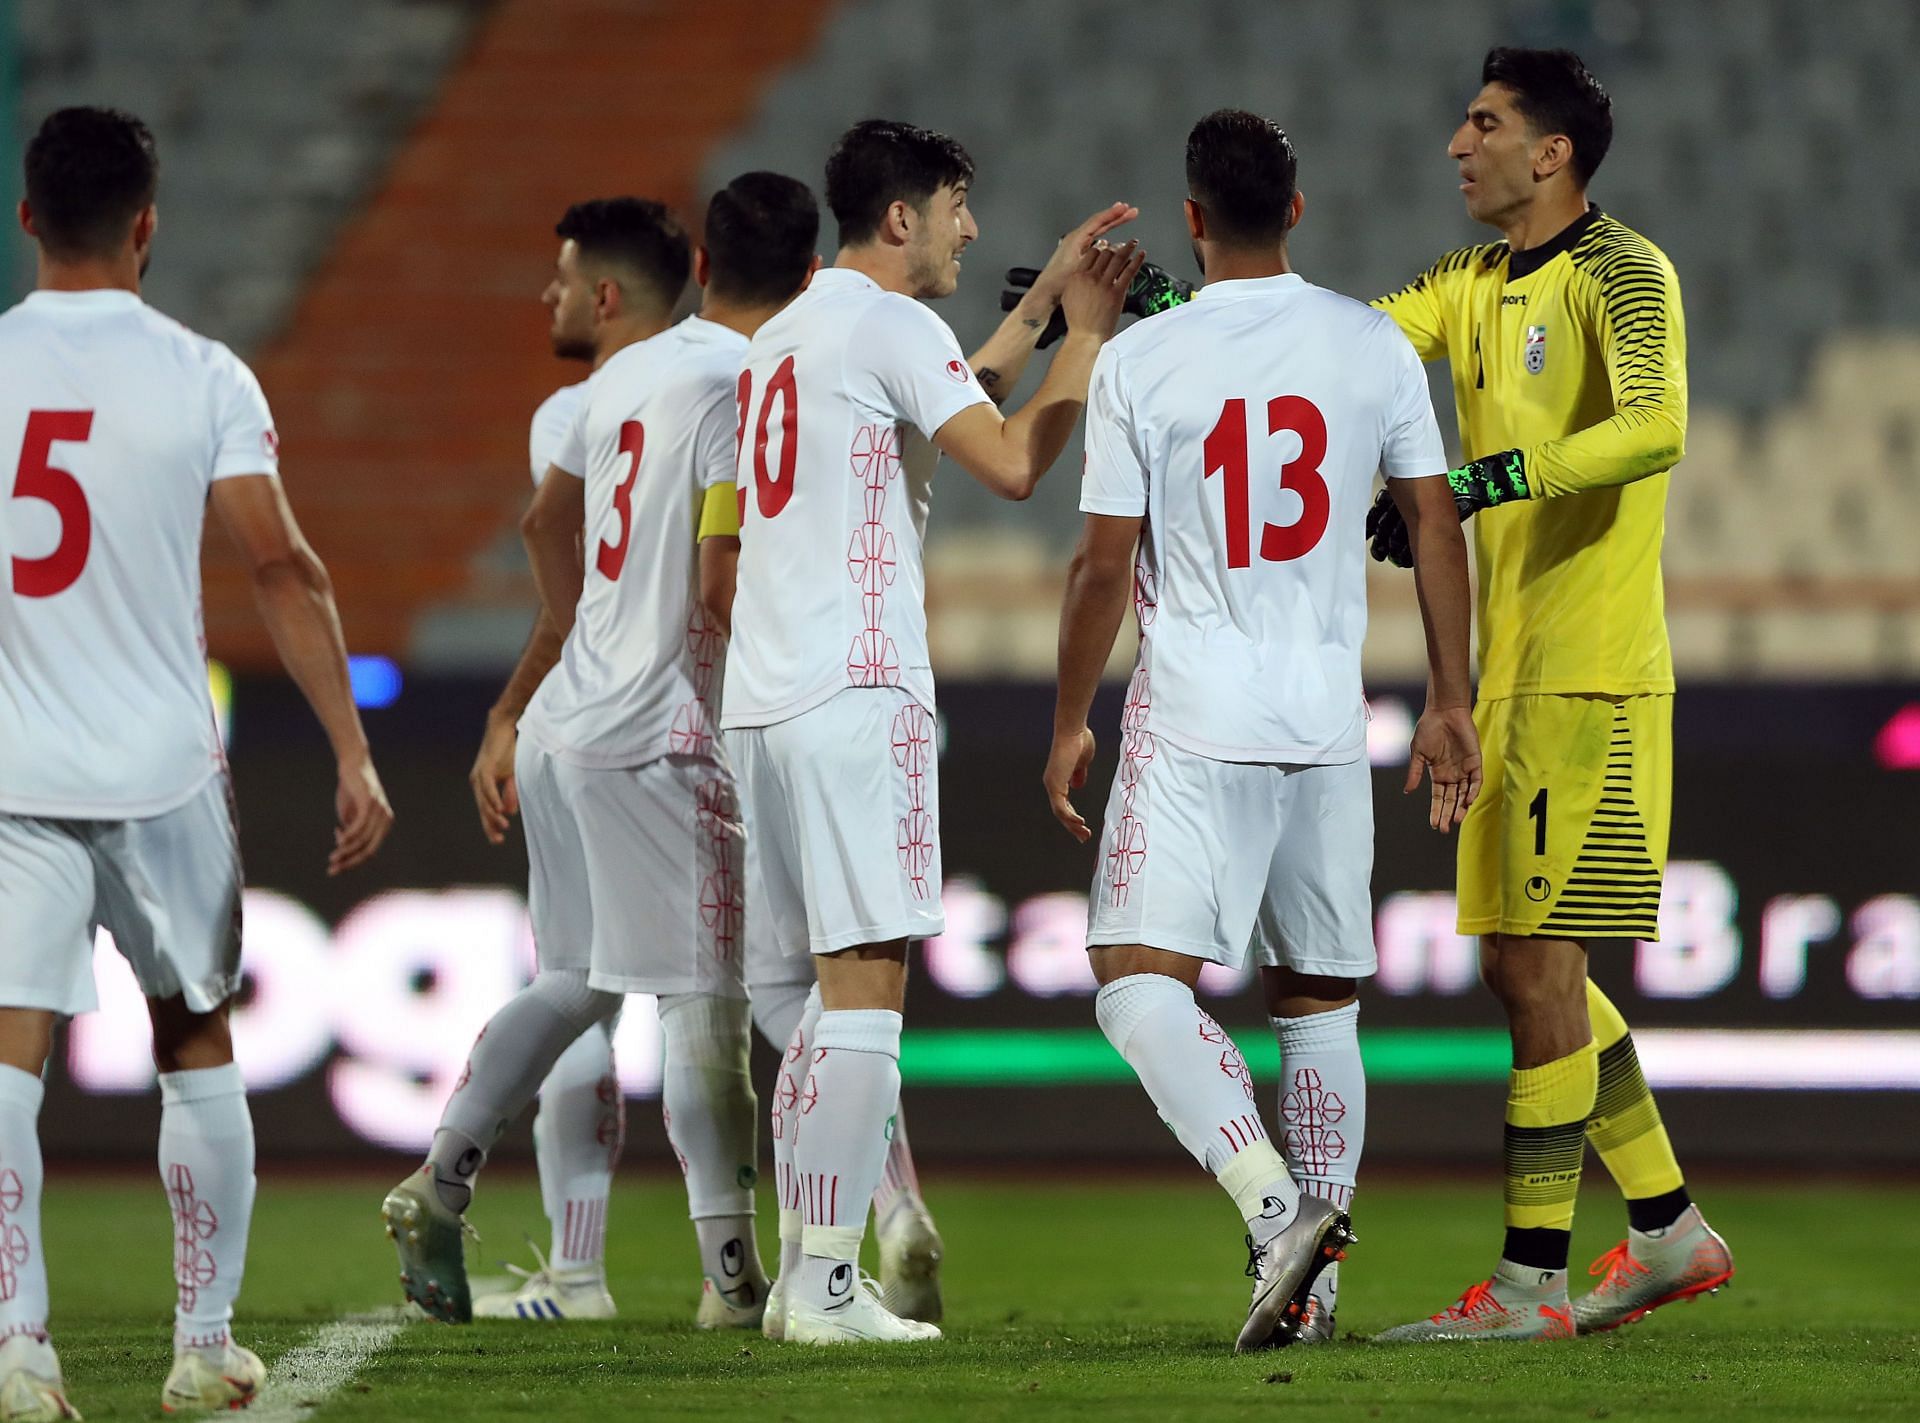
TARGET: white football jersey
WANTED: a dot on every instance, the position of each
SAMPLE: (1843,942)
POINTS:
(843,390)
(552,424)
(638,676)
(114,423)
(1247,426)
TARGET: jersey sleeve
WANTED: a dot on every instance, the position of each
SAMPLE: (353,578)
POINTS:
(1115,479)
(915,365)
(1642,332)
(570,450)
(716,453)
(1412,447)
(549,428)
(1419,308)
(244,440)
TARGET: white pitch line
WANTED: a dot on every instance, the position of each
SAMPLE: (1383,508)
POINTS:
(300,1381)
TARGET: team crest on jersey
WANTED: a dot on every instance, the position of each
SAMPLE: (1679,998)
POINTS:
(1536,352)
(958,370)
(270,442)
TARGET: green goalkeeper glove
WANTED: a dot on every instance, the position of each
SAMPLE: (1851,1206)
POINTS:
(1154,290)
(1479,484)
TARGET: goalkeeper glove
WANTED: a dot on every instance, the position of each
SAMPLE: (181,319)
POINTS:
(1154,289)
(1479,484)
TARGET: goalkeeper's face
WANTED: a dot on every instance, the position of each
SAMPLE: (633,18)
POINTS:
(941,231)
(1495,152)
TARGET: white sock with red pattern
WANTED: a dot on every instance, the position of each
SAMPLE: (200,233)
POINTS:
(851,1091)
(1323,1101)
(784,1119)
(206,1162)
(577,1137)
(1200,1084)
(23,1260)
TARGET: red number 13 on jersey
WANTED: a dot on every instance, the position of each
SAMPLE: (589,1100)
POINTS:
(1227,454)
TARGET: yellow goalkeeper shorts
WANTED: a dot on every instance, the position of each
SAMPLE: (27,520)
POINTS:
(1569,837)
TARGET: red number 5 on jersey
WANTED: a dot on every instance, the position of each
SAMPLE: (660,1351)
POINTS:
(1226,451)
(37,478)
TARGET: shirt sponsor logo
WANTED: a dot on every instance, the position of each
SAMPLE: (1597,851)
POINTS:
(958,370)
(270,442)
(1536,352)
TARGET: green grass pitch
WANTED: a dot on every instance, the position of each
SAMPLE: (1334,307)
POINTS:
(1066,1299)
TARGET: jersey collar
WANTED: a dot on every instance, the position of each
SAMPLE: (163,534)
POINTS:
(1525,264)
(95,299)
(1249,286)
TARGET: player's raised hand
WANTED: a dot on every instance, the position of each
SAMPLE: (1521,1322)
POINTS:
(1097,289)
(1067,771)
(494,792)
(1050,282)
(363,814)
(1447,749)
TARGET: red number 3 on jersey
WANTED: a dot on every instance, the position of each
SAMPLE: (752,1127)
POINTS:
(1226,452)
(38,478)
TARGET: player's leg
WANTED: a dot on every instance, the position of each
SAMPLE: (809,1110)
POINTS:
(1187,845)
(578,1134)
(46,972)
(1314,940)
(1670,1252)
(513,1053)
(871,881)
(169,890)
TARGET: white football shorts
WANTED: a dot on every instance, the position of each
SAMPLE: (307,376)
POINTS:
(1219,859)
(843,821)
(166,887)
(635,875)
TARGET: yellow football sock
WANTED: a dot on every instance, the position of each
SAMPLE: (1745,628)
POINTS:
(1547,1111)
(1625,1127)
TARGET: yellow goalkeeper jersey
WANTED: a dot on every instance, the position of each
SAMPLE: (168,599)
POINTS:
(1575,354)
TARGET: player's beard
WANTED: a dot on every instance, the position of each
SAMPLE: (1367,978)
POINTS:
(572,348)
(931,273)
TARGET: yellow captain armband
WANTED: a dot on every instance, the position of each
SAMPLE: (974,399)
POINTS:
(719,512)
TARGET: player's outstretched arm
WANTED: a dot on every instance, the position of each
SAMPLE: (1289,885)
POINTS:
(1099,586)
(551,530)
(1000,362)
(1010,455)
(295,598)
(1445,746)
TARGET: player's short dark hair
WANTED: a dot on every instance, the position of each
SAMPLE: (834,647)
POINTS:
(89,173)
(638,234)
(879,162)
(1242,172)
(761,232)
(1556,93)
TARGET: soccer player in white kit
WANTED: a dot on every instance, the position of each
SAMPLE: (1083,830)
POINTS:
(829,696)
(116,810)
(1233,443)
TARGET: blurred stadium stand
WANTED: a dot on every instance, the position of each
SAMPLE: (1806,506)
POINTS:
(359,195)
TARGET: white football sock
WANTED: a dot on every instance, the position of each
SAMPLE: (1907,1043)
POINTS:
(899,1182)
(784,1119)
(712,1117)
(23,1266)
(1200,1084)
(206,1162)
(851,1092)
(518,1047)
(1323,1101)
(577,1136)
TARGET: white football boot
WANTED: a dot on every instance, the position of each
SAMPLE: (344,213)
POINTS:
(549,1294)
(910,1254)
(773,1323)
(1647,1270)
(203,1381)
(856,1315)
(431,1237)
(1516,1304)
(1285,1268)
(30,1384)
(739,1301)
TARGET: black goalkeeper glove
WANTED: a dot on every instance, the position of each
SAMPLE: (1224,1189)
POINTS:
(1154,290)
(1480,484)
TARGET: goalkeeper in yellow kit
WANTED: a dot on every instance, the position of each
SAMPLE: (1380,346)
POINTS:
(1568,356)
